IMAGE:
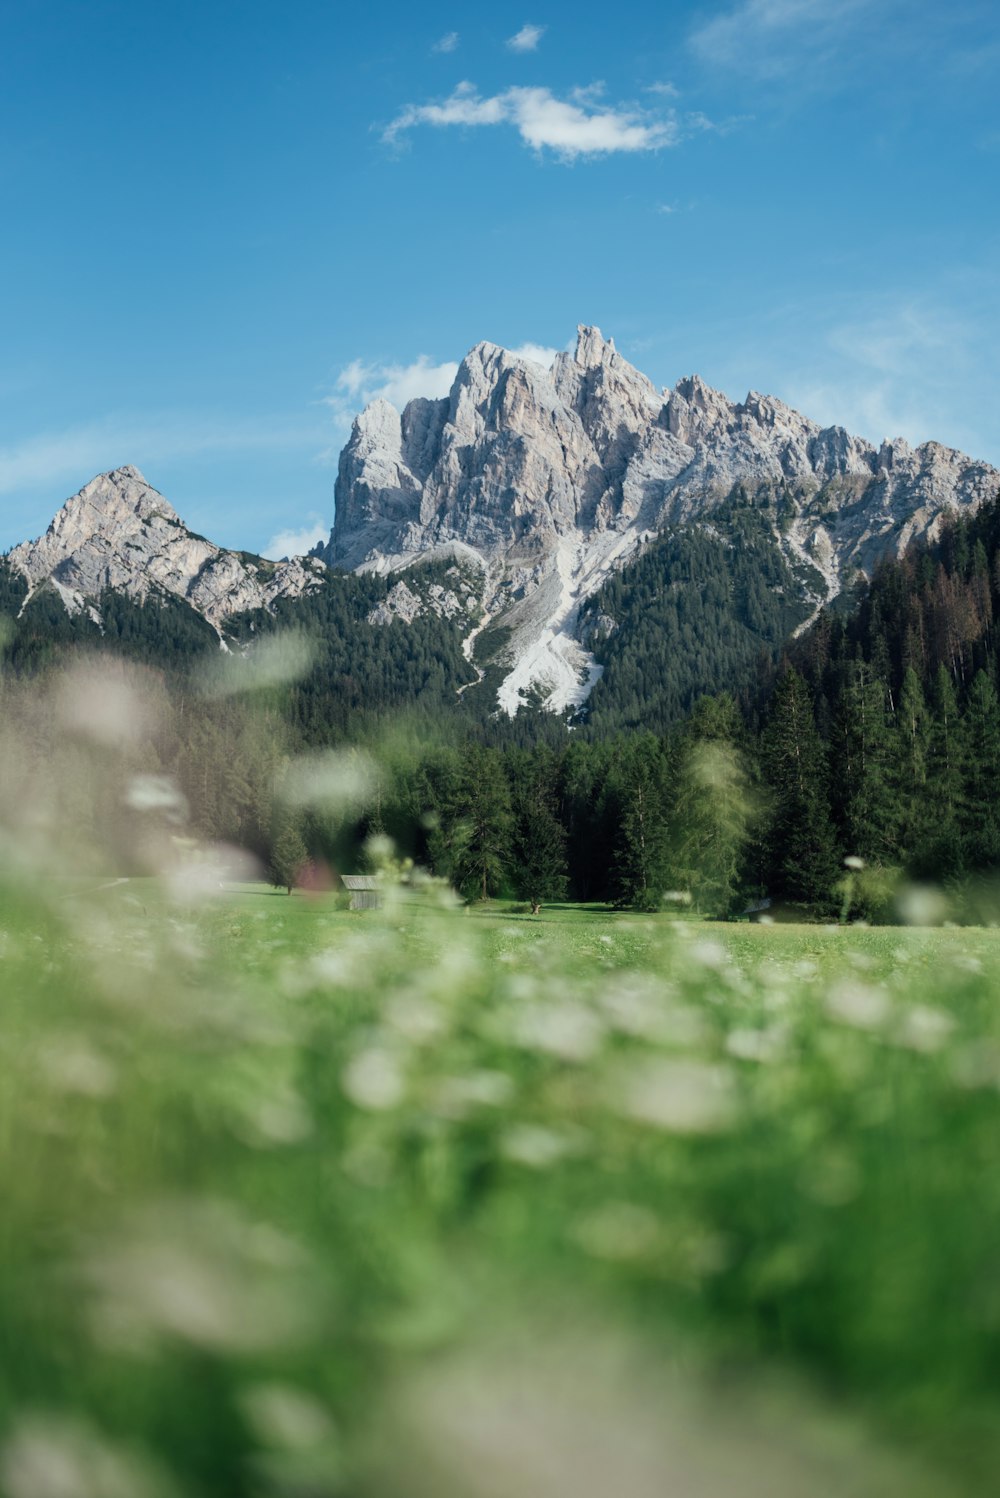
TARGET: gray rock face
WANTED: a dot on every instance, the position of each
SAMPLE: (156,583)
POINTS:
(537,484)
(119,533)
(553,478)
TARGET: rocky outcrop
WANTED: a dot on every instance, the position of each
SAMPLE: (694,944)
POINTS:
(119,533)
(535,485)
(555,477)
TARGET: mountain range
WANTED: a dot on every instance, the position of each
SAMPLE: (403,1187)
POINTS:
(554,520)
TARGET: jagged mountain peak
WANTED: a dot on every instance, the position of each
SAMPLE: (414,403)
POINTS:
(119,532)
(545,481)
(555,477)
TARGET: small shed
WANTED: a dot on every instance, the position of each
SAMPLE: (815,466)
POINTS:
(364,891)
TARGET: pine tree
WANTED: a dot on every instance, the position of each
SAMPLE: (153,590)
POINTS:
(540,871)
(712,807)
(801,852)
(864,751)
(982,775)
(484,810)
(639,793)
(908,769)
(941,853)
(288,853)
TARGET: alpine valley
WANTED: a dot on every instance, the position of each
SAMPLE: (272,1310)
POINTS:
(569,540)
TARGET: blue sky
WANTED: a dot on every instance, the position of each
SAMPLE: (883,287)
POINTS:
(227,224)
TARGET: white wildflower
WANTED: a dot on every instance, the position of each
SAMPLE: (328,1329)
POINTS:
(681,1096)
(374,1079)
(858,1004)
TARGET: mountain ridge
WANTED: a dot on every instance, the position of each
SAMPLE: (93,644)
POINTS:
(553,479)
(544,483)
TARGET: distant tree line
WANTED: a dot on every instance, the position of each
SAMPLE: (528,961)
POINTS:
(875,738)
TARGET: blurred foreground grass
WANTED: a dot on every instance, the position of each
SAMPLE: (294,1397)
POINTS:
(430,1201)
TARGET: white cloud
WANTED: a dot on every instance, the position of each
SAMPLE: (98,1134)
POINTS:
(537,353)
(570,128)
(296,543)
(359,383)
(397,383)
(446,43)
(527,39)
(75,454)
(919,370)
(771,37)
(666,90)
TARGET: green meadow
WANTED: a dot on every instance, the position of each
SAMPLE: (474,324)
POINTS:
(443,1199)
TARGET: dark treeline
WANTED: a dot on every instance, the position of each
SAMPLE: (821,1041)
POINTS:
(877,739)
(901,738)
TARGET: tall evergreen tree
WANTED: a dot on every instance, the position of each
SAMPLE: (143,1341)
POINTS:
(483,805)
(540,871)
(982,775)
(802,859)
(288,853)
(941,853)
(638,788)
(908,770)
(865,747)
(712,807)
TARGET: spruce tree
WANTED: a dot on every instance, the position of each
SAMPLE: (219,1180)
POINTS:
(639,792)
(288,853)
(711,809)
(539,837)
(801,853)
(483,803)
(865,750)
(910,802)
(941,853)
(982,775)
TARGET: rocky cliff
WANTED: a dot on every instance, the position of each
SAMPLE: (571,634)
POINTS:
(542,483)
(119,533)
(549,479)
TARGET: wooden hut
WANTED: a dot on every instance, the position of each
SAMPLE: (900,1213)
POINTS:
(364,891)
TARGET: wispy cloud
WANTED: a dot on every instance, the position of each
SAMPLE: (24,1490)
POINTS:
(397,383)
(360,382)
(527,39)
(920,370)
(538,353)
(73,455)
(569,127)
(771,37)
(446,43)
(297,543)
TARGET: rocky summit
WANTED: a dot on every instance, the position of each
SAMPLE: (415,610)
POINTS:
(119,533)
(549,479)
(538,485)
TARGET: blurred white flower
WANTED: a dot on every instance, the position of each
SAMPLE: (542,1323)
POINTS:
(757,1045)
(536,1146)
(285,1417)
(565,1029)
(374,1080)
(197,1272)
(681,1096)
(52,1456)
(858,1004)
(923,1028)
(619,1230)
(70,1063)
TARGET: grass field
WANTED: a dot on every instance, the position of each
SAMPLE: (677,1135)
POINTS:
(426,1200)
